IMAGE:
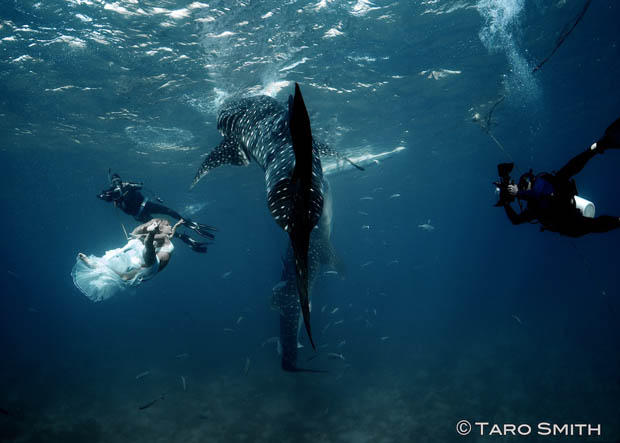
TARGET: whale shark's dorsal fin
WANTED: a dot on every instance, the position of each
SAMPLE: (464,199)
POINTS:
(228,152)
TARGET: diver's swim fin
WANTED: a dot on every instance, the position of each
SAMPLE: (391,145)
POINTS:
(201,229)
(611,139)
(193,244)
(198,247)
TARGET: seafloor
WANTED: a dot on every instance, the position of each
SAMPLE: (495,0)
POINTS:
(347,404)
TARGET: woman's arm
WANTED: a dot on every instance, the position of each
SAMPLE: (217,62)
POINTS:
(160,237)
(176,225)
(141,230)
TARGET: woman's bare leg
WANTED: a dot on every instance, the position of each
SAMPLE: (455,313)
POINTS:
(85,259)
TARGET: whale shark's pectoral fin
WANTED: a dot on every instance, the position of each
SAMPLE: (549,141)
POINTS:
(301,219)
(325,151)
(228,152)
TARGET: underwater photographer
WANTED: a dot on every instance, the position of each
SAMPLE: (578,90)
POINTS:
(552,199)
(127,196)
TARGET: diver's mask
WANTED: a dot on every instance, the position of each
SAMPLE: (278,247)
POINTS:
(115,180)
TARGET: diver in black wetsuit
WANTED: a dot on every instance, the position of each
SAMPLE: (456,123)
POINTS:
(127,197)
(550,198)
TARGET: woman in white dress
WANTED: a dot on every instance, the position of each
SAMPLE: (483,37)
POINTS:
(145,254)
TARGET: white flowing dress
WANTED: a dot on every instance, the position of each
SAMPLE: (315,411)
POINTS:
(103,280)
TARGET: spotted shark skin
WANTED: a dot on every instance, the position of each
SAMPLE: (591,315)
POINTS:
(284,299)
(261,130)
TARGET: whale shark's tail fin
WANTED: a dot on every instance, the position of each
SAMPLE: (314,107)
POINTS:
(302,221)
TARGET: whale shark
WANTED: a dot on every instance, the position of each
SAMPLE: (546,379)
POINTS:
(259,129)
(284,299)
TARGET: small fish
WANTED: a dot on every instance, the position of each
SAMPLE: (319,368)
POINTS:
(334,310)
(362,213)
(325,327)
(385,337)
(181,356)
(427,226)
(393,196)
(365,227)
(374,311)
(393,262)
(323,346)
(331,273)
(323,308)
(33,310)
(247,365)
(334,355)
(183,383)
(12,274)
(367,198)
(225,275)
(151,403)
(517,319)
(240,319)
(229,330)
(368,263)
(142,375)
(341,344)
(339,322)
(270,340)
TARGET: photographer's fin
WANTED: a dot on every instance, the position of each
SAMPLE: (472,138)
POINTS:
(611,139)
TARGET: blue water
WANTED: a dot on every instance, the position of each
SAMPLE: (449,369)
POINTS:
(484,321)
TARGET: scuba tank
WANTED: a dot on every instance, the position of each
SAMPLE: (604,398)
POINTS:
(586,207)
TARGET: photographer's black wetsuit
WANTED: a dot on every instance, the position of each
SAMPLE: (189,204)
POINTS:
(129,199)
(550,200)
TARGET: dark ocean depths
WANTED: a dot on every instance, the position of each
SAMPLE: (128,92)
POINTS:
(475,319)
